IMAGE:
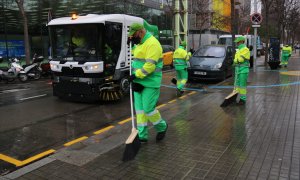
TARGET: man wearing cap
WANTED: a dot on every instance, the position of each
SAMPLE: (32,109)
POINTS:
(180,58)
(241,63)
(285,54)
(146,81)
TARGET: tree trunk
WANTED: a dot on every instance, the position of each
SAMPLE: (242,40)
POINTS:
(232,24)
(25,24)
(268,38)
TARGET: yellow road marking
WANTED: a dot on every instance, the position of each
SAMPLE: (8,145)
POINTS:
(291,73)
(125,121)
(10,160)
(191,93)
(160,106)
(174,100)
(29,160)
(37,157)
(182,97)
(103,130)
(75,141)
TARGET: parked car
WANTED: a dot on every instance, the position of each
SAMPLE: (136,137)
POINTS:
(168,55)
(211,62)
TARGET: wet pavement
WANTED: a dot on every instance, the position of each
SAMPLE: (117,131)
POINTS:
(257,141)
(33,121)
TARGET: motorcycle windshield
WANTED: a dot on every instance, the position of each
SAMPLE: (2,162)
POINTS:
(76,42)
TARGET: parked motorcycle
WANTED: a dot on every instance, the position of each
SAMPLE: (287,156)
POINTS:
(15,71)
(34,70)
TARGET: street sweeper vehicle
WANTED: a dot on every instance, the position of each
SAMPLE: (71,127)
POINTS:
(91,57)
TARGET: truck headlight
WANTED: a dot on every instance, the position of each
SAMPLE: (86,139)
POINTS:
(92,67)
(54,67)
(218,66)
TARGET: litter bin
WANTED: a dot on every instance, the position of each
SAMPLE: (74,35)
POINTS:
(274,53)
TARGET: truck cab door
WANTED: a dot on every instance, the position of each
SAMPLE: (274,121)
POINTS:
(112,45)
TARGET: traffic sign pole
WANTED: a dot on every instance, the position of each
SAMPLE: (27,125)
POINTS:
(256,19)
(255,49)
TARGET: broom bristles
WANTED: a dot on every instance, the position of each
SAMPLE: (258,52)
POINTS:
(229,99)
(174,81)
(133,145)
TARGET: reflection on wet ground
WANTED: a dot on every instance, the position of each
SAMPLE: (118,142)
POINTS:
(204,141)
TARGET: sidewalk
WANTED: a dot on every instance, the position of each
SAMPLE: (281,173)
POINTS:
(258,141)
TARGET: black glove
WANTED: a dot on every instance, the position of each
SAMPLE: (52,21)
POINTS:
(136,87)
(128,41)
(132,77)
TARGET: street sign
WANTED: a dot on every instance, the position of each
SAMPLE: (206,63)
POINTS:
(256,18)
(255,25)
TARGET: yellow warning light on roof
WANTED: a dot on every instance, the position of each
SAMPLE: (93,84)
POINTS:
(74,16)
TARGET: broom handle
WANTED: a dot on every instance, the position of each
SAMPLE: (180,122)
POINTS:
(130,89)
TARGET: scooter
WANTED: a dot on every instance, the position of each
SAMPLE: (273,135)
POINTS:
(34,70)
(15,71)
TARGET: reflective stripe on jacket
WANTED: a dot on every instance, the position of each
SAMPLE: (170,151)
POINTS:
(147,63)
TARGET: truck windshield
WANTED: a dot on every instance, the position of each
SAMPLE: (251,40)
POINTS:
(78,42)
(225,41)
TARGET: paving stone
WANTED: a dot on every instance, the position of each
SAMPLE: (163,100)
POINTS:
(204,141)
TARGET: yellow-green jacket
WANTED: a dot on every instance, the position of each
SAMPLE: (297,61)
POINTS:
(290,49)
(79,41)
(241,59)
(286,50)
(180,58)
(147,63)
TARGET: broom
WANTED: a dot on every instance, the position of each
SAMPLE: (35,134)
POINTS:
(232,96)
(133,143)
(174,81)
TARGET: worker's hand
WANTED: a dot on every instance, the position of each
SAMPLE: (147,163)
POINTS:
(129,40)
(235,61)
(136,87)
(132,77)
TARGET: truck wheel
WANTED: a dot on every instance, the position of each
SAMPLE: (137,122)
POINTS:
(125,85)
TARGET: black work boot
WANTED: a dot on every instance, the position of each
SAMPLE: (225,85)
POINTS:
(241,102)
(179,93)
(143,141)
(161,135)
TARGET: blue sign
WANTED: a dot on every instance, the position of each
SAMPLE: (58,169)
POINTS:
(15,48)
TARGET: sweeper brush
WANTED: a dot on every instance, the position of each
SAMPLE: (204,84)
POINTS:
(110,93)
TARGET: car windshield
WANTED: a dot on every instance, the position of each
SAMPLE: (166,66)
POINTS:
(210,51)
(75,42)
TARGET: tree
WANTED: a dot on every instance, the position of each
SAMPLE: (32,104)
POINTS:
(201,15)
(244,19)
(267,4)
(20,4)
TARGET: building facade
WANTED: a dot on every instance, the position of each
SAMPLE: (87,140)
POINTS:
(208,20)
(37,12)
